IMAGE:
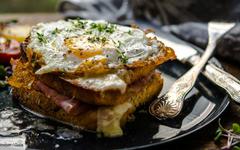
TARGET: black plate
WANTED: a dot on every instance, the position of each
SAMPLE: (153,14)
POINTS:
(203,104)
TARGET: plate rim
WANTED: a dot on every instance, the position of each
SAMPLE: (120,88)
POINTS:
(212,117)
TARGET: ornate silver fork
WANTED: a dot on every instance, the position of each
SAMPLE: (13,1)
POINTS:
(170,104)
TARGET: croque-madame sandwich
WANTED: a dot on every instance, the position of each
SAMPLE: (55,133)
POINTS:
(91,74)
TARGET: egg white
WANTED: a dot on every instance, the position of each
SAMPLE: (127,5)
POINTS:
(133,44)
(127,42)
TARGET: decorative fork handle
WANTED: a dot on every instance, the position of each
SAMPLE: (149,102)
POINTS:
(170,104)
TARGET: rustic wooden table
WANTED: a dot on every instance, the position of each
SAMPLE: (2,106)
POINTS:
(200,140)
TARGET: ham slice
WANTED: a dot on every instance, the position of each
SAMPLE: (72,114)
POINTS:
(70,105)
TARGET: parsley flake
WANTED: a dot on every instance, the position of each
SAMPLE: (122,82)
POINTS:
(41,38)
(119,44)
(103,39)
(93,39)
(97,39)
(121,55)
(56,31)
(110,28)
(78,23)
(130,32)
(103,27)
(88,32)
(123,58)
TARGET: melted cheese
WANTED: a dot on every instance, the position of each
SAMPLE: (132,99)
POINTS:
(64,45)
(108,119)
(100,83)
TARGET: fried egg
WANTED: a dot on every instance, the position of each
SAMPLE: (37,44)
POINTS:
(73,46)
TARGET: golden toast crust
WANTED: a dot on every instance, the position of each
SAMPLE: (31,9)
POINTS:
(39,103)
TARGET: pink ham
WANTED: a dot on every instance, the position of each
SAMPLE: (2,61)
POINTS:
(71,106)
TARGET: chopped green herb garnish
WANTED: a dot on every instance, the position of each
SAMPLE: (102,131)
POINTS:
(97,39)
(119,44)
(70,30)
(129,32)
(88,32)
(110,28)
(101,27)
(93,39)
(103,39)
(41,38)
(122,56)
(56,31)
(93,25)
(78,23)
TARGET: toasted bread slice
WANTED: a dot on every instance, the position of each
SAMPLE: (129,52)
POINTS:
(107,120)
(23,76)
